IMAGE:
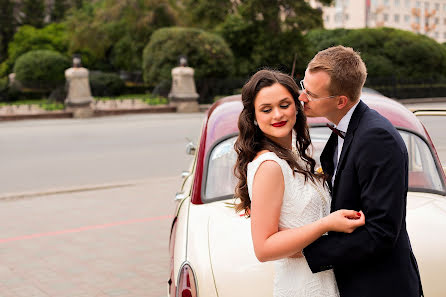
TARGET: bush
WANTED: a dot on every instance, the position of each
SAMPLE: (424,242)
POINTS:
(41,69)
(388,52)
(52,37)
(207,53)
(106,84)
(3,88)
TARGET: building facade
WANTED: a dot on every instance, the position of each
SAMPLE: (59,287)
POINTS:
(424,17)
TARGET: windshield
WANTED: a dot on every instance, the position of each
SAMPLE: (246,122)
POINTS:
(220,180)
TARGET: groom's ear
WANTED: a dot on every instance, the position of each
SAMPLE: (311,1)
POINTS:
(342,102)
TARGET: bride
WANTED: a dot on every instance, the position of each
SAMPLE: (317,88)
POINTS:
(287,200)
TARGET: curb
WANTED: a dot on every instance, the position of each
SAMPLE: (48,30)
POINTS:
(97,113)
(77,189)
(157,109)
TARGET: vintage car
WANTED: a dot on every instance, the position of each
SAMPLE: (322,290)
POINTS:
(211,251)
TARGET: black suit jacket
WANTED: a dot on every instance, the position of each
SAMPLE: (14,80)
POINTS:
(375,260)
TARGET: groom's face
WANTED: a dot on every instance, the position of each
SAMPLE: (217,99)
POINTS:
(317,100)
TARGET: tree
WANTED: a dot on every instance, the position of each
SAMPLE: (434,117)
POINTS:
(34,13)
(205,14)
(114,32)
(58,10)
(269,33)
(7,26)
(78,4)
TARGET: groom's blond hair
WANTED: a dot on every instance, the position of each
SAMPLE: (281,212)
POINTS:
(346,69)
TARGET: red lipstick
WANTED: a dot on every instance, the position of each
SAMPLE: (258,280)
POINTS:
(279,124)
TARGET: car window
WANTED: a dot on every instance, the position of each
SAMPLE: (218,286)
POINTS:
(434,123)
(220,180)
(423,172)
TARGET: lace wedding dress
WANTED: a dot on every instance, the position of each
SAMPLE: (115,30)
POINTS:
(303,203)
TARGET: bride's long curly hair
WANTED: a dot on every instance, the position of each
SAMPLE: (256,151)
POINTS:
(251,139)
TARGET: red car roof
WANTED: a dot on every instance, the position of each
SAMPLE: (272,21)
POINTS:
(222,118)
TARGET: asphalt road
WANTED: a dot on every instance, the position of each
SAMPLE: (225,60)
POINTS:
(42,155)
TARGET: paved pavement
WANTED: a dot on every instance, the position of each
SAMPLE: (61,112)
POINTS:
(101,243)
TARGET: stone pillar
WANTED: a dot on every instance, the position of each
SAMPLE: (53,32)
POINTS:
(79,99)
(183,94)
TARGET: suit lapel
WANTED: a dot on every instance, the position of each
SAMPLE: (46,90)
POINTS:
(327,156)
(352,126)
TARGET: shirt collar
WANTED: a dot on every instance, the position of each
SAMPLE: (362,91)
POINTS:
(343,123)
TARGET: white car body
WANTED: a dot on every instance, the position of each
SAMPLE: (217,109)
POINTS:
(215,241)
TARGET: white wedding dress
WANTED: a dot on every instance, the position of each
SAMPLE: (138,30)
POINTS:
(303,203)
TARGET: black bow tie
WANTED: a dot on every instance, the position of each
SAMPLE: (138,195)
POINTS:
(336,131)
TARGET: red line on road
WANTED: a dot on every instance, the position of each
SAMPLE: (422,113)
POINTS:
(85,228)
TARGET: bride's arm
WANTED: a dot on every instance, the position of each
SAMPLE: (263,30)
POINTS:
(267,196)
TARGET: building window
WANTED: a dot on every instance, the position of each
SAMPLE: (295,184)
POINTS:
(417,20)
(426,5)
(437,6)
(386,2)
(444,7)
(444,21)
(437,21)
(444,35)
(407,18)
(338,17)
(339,3)
(396,18)
(346,16)
(418,4)
(327,18)
(397,3)
(436,34)
(385,17)
(407,3)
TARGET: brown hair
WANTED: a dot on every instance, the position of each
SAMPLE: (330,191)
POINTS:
(251,139)
(346,69)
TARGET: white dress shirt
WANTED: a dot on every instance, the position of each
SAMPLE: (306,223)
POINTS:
(342,126)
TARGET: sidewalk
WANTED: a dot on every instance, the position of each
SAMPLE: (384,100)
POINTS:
(128,106)
(98,243)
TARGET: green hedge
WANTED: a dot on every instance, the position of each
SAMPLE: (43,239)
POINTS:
(27,38)
(3,88)
(207,53)
(388,52)
(106,84)
(41,69)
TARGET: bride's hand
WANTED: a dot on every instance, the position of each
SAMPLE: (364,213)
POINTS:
(344,220)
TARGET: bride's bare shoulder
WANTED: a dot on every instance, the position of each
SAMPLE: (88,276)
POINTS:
(261,153)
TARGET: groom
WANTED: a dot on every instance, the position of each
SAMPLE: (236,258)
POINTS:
(367,162)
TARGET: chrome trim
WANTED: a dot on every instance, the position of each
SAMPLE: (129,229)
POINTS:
(191,148)
(180,196)
(178,277)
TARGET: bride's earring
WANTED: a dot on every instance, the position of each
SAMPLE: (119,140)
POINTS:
(255,123)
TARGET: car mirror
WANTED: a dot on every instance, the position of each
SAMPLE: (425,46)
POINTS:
(190,148)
